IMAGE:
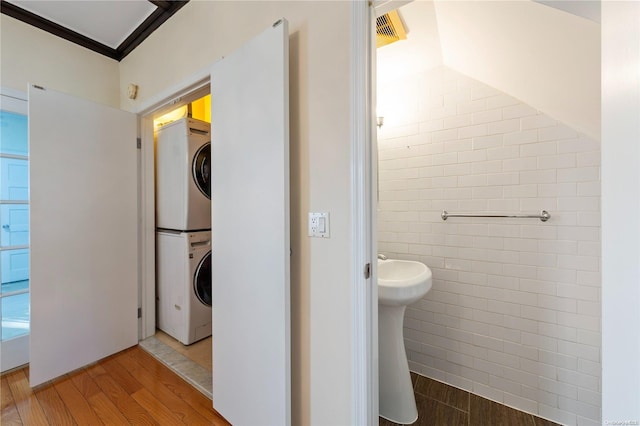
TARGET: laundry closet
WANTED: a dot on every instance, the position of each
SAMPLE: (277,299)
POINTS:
(183,225)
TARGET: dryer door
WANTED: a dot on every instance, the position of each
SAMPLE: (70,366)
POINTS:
(202,280)
(202,169)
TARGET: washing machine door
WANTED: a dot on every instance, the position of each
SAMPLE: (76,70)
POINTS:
(202,169)
(202,280)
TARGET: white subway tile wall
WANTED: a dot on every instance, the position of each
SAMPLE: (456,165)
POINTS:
(514,312)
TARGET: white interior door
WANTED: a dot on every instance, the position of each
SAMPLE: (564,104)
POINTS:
(84,258)
(250,231)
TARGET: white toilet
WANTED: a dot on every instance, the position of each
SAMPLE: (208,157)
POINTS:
(400,283)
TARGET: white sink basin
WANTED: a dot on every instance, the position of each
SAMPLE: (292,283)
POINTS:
(402,282)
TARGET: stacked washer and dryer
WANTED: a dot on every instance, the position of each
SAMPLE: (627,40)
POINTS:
(183,229)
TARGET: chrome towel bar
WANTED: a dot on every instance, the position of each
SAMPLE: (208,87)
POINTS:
(543,216)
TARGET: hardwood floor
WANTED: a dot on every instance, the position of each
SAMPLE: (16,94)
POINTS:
(442,405)
(130,387)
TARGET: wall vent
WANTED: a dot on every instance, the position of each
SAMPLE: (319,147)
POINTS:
(389,29)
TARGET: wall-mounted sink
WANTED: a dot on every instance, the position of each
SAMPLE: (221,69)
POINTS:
(402,282)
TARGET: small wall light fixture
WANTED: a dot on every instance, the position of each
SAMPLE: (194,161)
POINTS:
(132,91)
(380,121)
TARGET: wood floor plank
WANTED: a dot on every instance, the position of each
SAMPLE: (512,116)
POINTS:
(54,408)
(179,387)
(26,402)
(120,375)
(106,410)
(9,412)
(442,392)
(484,412)
(538,421)
(10,416)
(414,379)
(75,402)
(6,398)
(85,384)
(157,409)
(184,411)
(435,413)
(120,398)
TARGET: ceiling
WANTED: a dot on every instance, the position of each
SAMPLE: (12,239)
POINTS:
(422,50)
(544,55)
(110,27)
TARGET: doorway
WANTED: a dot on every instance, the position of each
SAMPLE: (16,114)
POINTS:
(188,356)
(454,139)
(172,100)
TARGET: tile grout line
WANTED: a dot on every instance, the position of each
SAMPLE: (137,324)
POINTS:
(442,402)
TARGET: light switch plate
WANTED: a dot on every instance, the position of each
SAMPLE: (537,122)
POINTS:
(319,224)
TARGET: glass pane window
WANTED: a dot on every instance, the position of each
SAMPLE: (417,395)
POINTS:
(13,134)
(14,179)
(15,316)
(15,269)
(14,219)
(15,287)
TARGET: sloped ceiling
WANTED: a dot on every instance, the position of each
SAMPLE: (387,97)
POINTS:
(589,9)
(546,57)
(419,52)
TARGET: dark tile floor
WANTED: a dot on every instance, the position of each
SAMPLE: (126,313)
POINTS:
(443,405)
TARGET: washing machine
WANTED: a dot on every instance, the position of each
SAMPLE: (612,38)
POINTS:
(183,284)
(183,175)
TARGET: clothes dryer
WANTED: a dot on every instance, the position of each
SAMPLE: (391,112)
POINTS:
(183,175)
(183,293)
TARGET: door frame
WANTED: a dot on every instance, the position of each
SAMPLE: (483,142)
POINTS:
(364,318)
(194,87)
(364,313)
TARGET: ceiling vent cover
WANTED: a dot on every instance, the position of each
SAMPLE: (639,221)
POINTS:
(389,29)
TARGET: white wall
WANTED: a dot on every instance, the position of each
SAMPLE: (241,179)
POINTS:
(621,211)
(196,36)
(514,312)
(541,55)
(30,55)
